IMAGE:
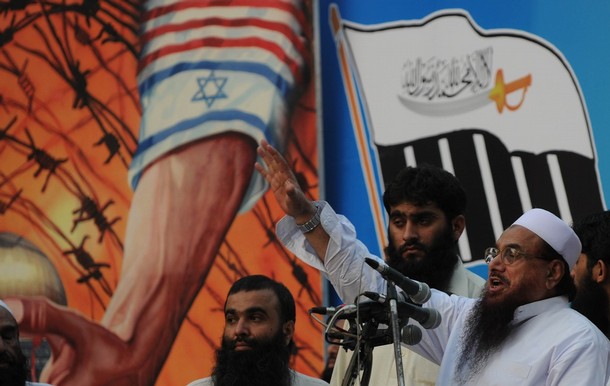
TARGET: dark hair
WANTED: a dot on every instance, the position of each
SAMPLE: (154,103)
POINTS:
(594,234)
(426,184)
(566,286)
(261,282)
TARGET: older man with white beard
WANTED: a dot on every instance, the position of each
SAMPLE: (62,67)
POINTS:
(522,330)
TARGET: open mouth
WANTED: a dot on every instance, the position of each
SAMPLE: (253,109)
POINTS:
(496,283)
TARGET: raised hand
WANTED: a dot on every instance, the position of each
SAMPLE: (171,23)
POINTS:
(284,184)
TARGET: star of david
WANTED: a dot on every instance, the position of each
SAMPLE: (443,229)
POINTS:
(210,89)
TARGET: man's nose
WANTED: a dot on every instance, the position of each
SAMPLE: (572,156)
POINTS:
(242,327)
(410,232)
(497,264)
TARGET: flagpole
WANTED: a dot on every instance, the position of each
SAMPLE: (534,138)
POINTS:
(358,126)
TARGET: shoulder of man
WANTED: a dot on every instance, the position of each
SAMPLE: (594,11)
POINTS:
(464,282)
(299,379)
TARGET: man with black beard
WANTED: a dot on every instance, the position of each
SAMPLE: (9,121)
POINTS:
(522,330)
(257,341)
(591,273)
(13,364)
(426,208)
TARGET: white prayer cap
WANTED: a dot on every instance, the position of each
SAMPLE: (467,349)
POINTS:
(554,231)
(5,306)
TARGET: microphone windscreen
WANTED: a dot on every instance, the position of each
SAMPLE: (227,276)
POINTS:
(434,319)
(411,335)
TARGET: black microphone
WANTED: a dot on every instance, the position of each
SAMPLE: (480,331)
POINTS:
(411,335)
(417,291)
(332,310)
(323,310)
(381,298)
(427,317)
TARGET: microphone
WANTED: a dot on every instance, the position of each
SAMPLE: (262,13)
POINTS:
(332,310)
(427,317)
(323,310)
(418,292)
(410,335)
(381,298)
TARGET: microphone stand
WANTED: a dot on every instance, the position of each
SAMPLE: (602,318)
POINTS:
(392,296)
(371,336)
(362,359)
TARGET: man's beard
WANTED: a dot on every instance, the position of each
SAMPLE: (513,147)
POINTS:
(15,374)
(488,325)
(266,363)
(435,268)
(592,301)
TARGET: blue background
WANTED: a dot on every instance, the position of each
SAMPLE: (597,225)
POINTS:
(579,30)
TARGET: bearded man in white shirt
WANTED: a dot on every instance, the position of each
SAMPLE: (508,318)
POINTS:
(257,344)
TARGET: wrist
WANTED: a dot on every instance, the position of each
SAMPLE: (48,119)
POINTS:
(313,221)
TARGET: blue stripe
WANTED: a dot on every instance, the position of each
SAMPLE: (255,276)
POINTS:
(225,115)
(284,87)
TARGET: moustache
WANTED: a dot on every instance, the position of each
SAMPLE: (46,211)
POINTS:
(499,277)
(241,339)
(411,245)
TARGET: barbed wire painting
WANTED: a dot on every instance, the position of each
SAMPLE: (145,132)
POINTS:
(70,113)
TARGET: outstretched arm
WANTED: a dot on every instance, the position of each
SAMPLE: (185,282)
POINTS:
(179,217)
(331,247)
(289,195)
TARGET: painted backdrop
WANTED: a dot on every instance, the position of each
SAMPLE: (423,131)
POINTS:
(128,201)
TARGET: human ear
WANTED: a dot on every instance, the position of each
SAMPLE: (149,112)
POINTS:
(457,226)
(599,271)
(288,330)
(556,270)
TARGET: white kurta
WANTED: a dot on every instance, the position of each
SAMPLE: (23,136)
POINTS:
(551,345)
